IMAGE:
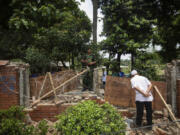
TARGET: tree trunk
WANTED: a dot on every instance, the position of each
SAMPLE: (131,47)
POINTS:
(107,67)
(132,61)
(69,59)
(119,61)
(72,60)
(95,8)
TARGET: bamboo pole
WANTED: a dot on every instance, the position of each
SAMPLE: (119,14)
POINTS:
(42,86)
(37,101)
(52,84)
(171,114)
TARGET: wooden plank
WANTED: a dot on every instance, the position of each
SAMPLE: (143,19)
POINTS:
(33,98)
(37,101)
(42,86)
(171,114)
(52,84)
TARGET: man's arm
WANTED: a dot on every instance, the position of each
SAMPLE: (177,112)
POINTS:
(84,61)
(140,91)
(149,88)
(92,63)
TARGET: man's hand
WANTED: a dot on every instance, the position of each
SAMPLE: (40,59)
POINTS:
(91,63)
(84,61)
(149,88)
(147,94)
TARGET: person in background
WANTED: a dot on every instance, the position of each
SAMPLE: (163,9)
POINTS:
(115,72)
(121,74)
(104,74)
(88,61)
(144,98)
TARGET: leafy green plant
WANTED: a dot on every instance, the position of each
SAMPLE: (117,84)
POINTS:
(12,123)
(15,127)
(14,112)
(42,128)
(90,118)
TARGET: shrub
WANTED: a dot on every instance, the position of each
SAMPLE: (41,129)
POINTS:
(42,128)
(12,123)
(14,127)
(89,118)
(14,112)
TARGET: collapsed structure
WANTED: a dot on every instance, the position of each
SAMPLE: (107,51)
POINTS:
(47,96)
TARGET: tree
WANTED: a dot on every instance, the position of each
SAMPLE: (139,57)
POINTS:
(5,13)
(55,28)
(149,64)
(126,30)
(166,34)
(95,14)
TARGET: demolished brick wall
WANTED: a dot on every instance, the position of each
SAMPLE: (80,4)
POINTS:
(118,92)
(9,86)
(49,112)
(58,79)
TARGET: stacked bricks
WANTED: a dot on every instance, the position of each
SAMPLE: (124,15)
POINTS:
(157,102)
(47,111)
(9,87)
(50,111)
(58,79)
(178,97)
(118,92)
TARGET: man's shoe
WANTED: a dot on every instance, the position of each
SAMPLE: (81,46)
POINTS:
(149,127)
(84,89)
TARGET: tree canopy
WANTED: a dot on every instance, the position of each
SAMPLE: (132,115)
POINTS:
(50,30)
(126,30)
(130,25)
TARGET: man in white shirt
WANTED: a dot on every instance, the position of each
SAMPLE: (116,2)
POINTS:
(144,97)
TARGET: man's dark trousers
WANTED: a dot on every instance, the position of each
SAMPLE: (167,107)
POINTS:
(140,109)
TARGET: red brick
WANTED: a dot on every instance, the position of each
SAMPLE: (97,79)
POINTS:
(47,112)
(9,98)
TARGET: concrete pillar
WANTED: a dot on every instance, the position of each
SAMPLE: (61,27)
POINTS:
(21,85)
(172,75)
(178,97)
(96,85)
(94,80)
(27,87)
(173,88)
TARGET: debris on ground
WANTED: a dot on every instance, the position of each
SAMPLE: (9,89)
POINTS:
(161,119)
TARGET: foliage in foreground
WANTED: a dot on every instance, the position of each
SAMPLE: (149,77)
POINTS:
(12,123)
(90,118)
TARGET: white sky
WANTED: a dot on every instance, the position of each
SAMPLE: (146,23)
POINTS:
(88,8)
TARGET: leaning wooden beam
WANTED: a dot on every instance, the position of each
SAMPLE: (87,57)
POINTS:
(171,114)
(42,86)
(37,101)
(52,84)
